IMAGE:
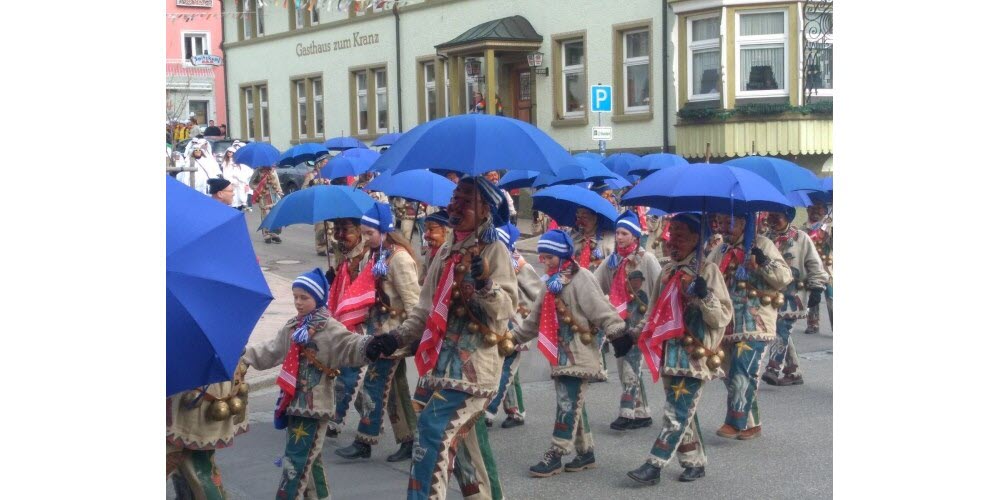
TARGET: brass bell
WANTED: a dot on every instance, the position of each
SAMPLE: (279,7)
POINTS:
(237,406)
(687,340)
(586,338)
(567,319)
(383,309)
(393,313)
(219,410)
(474,328)
(779,301)
(456,294)
(491,339)
(561,308)
(642,309)
(454,286)
(698,352)
(714,361)
(753,293)
(721,354)
(765,299)
(575,328)
(403,314)
(508,335)
(507,347)
(800,285)
(742,285)
(460,311)
(524,314)
(244,389)
(461,268)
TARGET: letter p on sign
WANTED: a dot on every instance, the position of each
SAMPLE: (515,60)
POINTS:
(600,98)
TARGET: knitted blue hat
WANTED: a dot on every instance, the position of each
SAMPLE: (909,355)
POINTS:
(508,234)
(556,242)
(790,213)
(494,199)
(315,284)
(379,216)
(439,217)
(630,221)
(690,219)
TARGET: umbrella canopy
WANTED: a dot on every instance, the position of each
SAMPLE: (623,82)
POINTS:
(657,161)
(415,185)
(827,184)
(516,179)
(366,155)
(317,204)
(560,203)
(215,289)
(620,163)
(474,144)
(782,174)
(579,170)
(706,187)
(387,139)
(618,182)
(344,166)
(343,144)
(257,154)
(589,155)
(301,153)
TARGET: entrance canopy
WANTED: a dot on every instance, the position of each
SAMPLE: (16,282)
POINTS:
(510,33)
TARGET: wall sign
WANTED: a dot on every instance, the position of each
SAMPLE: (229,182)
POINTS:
(206,60)
(195,3)
(357,39)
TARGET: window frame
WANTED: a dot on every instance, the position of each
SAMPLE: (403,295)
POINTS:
(381,91)
(577,69)
(429,85)
(249,112)
(206,44)
(370,92)
(309,18)
(636,61)
(317,106)
(702,45)
(256,109)
(829,40)
(265,114)
(760,41)
(359,91)
(301,97)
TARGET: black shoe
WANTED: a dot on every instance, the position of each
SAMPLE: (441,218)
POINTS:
(511,422)
(648,474)
(355,450)
(621,424)
(331,432)
(489,422)
(550,465)
(276,239)
(691,473)
(639,423)
(267,240)
(770,377)
(582,462)
(405,452)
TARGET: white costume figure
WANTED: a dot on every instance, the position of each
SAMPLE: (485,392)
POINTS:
(239,175)
(206,166)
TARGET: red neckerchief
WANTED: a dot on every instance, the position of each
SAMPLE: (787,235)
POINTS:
(548,321)
(349,301)
(437,321)
(665,323)
(585,253)
(289,373)
(781,238)
(258,191)
(619,290)
(734,252)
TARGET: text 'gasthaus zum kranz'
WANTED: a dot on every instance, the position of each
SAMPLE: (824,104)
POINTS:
(355,40)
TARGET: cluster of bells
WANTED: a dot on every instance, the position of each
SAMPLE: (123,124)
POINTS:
(223,408)
(586,336)
(713,360)
(392,312)
(818,240)
(503,341)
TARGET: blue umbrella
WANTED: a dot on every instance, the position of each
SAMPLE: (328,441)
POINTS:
(589,155)
(344,166)
(474,144)
(301,153)
(317,204)
(560,203)
(516,179)
(417,185)
(580,169)
(364,154)
(706,187)
(257,154)
(653,162)
(215,289)
(620,163)
(782,174)
(343,144)
(387,139)
(618,182)
(827,184)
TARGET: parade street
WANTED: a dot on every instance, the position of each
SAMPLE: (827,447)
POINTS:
(793,458)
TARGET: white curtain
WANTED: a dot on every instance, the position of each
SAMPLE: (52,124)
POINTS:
(762,24)
(705,72)
(705,29)
(762,68)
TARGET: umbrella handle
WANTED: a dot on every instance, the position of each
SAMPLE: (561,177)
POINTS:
(326,239)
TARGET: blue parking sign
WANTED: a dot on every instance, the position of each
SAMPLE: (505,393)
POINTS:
(600,98)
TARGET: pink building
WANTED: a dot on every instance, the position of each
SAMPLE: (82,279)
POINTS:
(195,84)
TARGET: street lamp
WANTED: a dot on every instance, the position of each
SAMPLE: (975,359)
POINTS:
(535,63)
(474,69)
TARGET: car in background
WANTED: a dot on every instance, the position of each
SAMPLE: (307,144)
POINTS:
(292,178)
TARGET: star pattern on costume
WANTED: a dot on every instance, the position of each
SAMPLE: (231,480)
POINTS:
(679,390)
(742,346)
(372,374)
(299,432)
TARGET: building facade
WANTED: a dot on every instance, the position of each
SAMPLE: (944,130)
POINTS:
(195,81)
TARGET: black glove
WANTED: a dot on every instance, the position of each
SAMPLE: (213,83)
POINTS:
(374,348)
(330,274)
(814,296)
(478,267)
(622,345)
(414,346)
(390,342)
(759,257)
(700,287)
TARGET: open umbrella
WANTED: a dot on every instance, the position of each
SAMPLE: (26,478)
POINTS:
(782,174)
(257,154)
(474,144)
(215,289)
(387,139)
(579,170)
(706,187)
(560,203)
(364,154)
(415,185)
(653,162)
(589,155)
(620,163)
(317,204)
(302,153)
(517,179)
(344,166)
(343,144)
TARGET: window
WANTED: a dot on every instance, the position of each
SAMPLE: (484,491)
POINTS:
(573,91)
(636,70)
(256,119)
(314,15)
(704,61)
(251,20)
(361,79)
(818,53)
(302,17)
(381,102)
(369,101)
(761,42)
(200,110)
(307,108)
(195,44)
(265,119)
(248,113)
(430,92)
(471,85)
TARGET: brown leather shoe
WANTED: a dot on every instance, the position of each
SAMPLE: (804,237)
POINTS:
(727,431)
(790,379)
(749,434)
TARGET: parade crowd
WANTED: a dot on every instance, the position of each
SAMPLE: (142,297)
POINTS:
(688,297)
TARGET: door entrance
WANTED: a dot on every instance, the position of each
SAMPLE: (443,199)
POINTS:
(521,92)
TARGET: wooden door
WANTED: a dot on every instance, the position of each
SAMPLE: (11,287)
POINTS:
(521,89)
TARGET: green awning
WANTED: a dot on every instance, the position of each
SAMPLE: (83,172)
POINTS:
(508,29)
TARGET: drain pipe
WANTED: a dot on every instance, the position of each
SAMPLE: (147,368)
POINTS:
(399,76)
(666,78)
(225,62)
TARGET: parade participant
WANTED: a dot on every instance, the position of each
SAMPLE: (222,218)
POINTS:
(239,175)
(658,233)
(266,193)
(820,229)
(392,264)
(494,177)
(629,293)
(605,192)
(322,231)
(352,293)
(462,316)
(808,282)
(754,272)
(199,156)
(362,183)
(529,286)
(310,348)
(568,319)
(591,243)
(716,237)
(221,190)
(406,216)
(680,341)
(437,230)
